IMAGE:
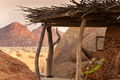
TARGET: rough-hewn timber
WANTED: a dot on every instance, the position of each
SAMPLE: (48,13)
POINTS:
(38,51)
(50,52)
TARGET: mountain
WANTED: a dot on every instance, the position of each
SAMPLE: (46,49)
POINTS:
(16,34)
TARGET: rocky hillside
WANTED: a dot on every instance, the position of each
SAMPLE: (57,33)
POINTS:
(16,34)
(13,69)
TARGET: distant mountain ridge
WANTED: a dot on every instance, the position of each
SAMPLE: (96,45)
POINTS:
(18,35)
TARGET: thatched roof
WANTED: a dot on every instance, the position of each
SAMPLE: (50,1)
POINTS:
(98,12)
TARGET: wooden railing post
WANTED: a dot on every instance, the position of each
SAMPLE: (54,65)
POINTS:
(50,53)
(79,52)
(39,50)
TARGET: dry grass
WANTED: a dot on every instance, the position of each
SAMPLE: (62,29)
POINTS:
(18,55)
(32,57)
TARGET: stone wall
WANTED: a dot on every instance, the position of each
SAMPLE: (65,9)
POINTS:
(111,54)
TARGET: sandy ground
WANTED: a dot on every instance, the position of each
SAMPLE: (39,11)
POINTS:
(27,55)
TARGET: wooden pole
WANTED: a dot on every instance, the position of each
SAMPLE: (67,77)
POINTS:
(38,51)
(78,56)
(50,53)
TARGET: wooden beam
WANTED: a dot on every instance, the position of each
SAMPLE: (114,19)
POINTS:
(92,23)
(79,52)
(95,20)
(50,53)
(78,17)
(39,50)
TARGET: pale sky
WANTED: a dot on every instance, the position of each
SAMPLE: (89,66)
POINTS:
(9,13)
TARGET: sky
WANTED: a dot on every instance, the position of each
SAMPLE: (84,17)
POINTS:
(9,12)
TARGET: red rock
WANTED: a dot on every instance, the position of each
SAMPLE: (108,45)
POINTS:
(15,34)
(64,70)
(13,69)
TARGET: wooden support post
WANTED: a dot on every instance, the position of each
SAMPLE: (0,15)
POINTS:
(50,53)
(78,56)
(38,51)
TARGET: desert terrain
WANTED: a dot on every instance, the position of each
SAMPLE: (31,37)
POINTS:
(27,55)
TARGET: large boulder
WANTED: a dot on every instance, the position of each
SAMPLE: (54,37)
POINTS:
(13,69)
(66,49)
(65,70)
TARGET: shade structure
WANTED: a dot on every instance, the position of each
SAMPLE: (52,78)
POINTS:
(96,13)
(99,13)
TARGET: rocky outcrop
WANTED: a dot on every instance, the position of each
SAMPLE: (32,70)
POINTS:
(13,69)
(65,51)
(65,70)
(67,47)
